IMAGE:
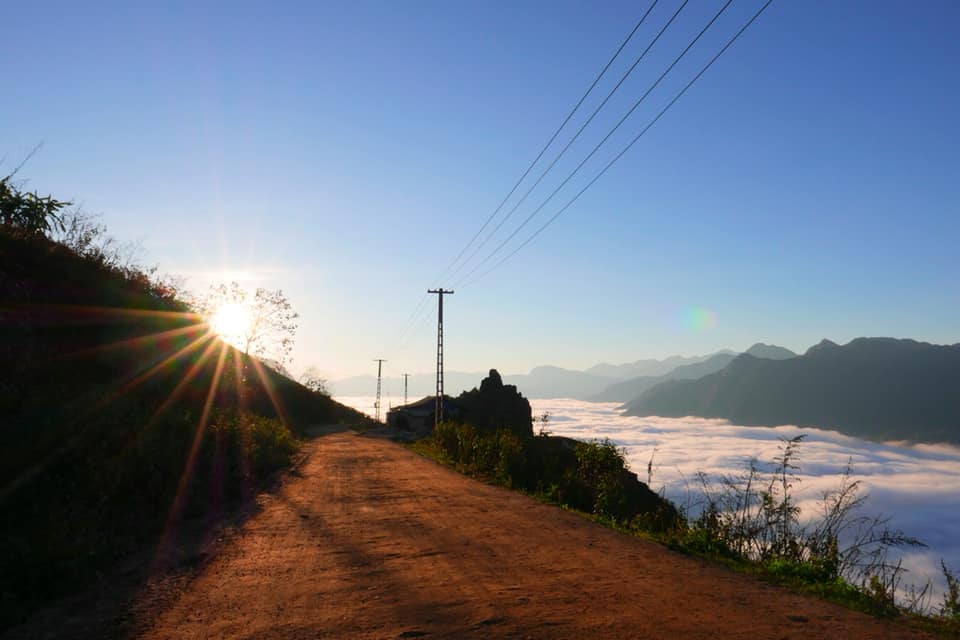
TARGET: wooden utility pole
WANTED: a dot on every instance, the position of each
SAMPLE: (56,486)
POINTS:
(405,376)
(376,404)
(438,413)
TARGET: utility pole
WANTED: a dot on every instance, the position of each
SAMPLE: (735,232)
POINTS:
(405,376)
(376,405)
(438,413)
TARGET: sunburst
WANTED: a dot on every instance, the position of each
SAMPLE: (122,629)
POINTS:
(231,322)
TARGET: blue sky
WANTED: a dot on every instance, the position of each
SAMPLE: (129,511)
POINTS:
(806,187)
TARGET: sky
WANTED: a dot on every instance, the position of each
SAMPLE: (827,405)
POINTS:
(805,187)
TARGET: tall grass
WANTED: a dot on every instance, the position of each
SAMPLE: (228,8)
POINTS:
(752,518)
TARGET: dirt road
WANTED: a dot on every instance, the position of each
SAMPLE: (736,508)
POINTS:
(375,542)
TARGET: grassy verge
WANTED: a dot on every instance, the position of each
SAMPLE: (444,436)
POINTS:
(495,458)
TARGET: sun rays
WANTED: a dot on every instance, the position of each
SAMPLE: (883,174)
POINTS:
(232,322)
(183,355)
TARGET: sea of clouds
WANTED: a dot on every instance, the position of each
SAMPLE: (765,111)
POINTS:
(918,486)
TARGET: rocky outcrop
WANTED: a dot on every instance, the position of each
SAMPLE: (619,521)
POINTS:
(496,406)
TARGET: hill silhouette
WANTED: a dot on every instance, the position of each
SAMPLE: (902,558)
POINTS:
(646,367)
(548,381)
(122,415)
(630,389)
(876,388)
(770,352)
(542,382)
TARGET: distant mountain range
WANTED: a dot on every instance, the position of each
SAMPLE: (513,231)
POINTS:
(629,389)
(877,388)
(541,382)
(556,382)
(647,367)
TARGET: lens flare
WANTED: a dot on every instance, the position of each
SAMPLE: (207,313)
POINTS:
(697,319)
(231,322)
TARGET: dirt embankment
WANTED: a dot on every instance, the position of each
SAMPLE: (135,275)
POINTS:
(374,542)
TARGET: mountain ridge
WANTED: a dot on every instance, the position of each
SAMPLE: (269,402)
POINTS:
(551,381)
(878,388)
(629,389)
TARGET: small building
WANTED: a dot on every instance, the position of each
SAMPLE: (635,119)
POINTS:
(418,417)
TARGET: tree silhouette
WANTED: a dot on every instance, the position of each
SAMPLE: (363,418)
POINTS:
(28,213)
(312,380)
(272,325)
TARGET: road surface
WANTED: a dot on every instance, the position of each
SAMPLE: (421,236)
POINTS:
(373,541)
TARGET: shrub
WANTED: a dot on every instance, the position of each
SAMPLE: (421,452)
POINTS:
(28,213)
(950,608)
(587,476)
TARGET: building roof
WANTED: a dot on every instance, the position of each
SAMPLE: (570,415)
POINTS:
(426,406)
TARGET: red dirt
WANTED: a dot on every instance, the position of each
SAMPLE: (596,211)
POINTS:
(369,540)
(375,542)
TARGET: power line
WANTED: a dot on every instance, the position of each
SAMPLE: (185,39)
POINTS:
(599,144)
(629,145)
(550,141)
(576,135)
(411,322)
(415,328)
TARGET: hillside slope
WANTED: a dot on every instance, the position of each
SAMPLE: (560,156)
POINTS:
(122,414)
(878,388)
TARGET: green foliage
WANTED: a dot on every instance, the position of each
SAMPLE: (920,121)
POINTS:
(752,520)
(587,476)
(950,608)
(602,468)
(28,213)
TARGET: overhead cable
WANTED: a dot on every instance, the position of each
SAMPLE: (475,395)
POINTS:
(623,119)
(552,138)
(629,145)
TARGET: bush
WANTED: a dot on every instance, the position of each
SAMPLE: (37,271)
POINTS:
(602,469)
(28,213)
(587,476)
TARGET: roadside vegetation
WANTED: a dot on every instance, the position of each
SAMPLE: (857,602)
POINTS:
(752,521)
(123,415)
(586,476)
(749,522)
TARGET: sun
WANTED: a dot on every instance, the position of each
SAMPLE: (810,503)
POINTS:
(231,322)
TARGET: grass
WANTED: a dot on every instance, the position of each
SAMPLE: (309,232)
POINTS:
(590,477)
(457,447)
